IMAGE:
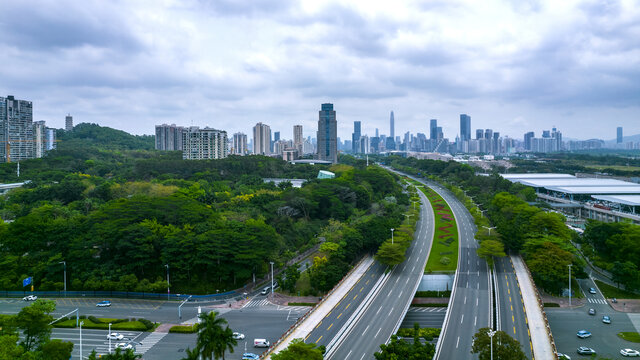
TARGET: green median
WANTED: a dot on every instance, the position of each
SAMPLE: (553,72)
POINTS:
(103,323)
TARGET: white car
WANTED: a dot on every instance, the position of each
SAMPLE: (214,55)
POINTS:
(562,356)
(115,336)
(238,336)
(104,303)
(124,346)
(30,298)
(630,352)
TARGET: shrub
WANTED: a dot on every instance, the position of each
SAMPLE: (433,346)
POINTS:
(184,329)
(301,304)
(445,260)
(427,333)
(430,305)
(94,319)
(146,323)
(550,304)
(433,293)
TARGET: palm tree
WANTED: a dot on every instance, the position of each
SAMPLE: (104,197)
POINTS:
(209,330)
(192,354)
(224,342)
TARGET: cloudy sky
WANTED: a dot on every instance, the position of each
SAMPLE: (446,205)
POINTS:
(512,65)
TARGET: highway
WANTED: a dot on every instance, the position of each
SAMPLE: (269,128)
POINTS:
(469,306)
(381,318)
(511,311)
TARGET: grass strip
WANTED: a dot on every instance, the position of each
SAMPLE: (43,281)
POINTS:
(613,292)
(630,336)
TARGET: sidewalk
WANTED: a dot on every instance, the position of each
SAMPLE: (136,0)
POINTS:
(323,308)
(538,328)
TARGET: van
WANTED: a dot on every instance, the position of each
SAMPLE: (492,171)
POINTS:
(265,291)
(261,343)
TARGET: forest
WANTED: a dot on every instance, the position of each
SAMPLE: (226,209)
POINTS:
(118,212)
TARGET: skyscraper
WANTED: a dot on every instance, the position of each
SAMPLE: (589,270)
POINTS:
(392,126)
(68,122)
(479,134)
(433,129)
(327,134)
(528,140)
(201,144)
(239,144)
(619,133)
(465,127)
(261,139)
(298,140)
(169,137)
(377,133)
(16,129)
(355,137)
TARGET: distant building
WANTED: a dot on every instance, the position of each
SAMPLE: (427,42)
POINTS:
(433,129)
(528,143)
(68,122)
(465,127)
(207,143)
(290,154)
(239,146)
(327,134)
(355,137)
(39,138)
(392,125)
(619,135)
(479,134)
(50,142)
(261,139)
(16,129)
(323,174)
(298,140)
(169,137)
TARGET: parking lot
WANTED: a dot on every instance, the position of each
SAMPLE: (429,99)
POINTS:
(565,323)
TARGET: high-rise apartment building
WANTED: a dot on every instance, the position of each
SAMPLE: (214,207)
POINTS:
(39,138)
(355,137)
(50,142)
(528,138)
(619,135)
(68,122)
(392,126)
(465,127)
(261,139)
(239,144)
(169,137)
(298,140)
(433,129)
(327,134)
(201,144)
(16,129)
(479,134)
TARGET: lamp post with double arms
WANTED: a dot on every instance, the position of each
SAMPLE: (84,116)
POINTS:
(64,264)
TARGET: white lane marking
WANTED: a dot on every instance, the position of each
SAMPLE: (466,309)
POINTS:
(457,341)
(378,310)
(377,333)
(397,279)
(362,357)
(462,319)
(390,311)
(348,354)
(465,299)
(478,285)
(475,320)
(365,330)
(476,301)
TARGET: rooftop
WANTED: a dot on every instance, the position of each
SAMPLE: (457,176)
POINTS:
(513,177)
(633,200)
(571,182)
(596,189)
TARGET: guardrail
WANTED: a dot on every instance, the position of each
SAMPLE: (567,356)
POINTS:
(119,294)
(541,305)
(308,313)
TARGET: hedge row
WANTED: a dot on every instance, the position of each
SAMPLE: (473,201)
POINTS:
(426,333)
(184,329)
(103,324)
(430,305)
(301,304)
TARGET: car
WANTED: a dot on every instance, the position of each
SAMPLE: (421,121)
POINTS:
(115,336)
(562,356)
(583,334)
(592,291)
(583,350)
(104,303)
(265,291)
(238,336)
(592,311)
(30,298)
(125,346)
(606,319)
(630,353)
(250,356)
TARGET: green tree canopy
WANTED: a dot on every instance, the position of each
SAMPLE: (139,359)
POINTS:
(297,350)
(504,346)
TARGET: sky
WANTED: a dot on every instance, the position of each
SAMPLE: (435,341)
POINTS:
(513,66)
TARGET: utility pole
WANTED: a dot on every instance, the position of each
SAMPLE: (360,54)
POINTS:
(109,339)
(570,283)
(491,333)
(392,236)
(81,323)
(64,263)
(168,286)
(271,262)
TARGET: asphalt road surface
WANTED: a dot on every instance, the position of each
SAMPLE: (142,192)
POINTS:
(384,313)
(565,323)
(432,317)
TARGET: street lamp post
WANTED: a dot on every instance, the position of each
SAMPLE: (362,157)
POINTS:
(392,236)
(570,283)
(64,263)
(81,323)
(491,333)
(168,285)
(109,339)
(271,262)
(489,228)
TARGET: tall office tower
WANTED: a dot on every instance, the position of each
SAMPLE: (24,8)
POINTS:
(364,144)
(488,137)
(465,127)
(433,129)
(528,140)
(261,139)
(392,126)
(619,133)
(276,138)
(496,143)
(298,140)
(377,134)
(327,134)
(239,144)
(39,138)
(355,137)
(16,129)
(50,139)
(479,134)
(546,134)
(68,122)
(169,137)
(207,143)
(439,133)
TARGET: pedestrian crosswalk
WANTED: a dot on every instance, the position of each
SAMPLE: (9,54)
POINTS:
(427,309)
(259,302)
(149,342)
(597,301)
(298,309)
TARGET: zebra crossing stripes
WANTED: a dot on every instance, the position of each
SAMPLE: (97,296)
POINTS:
(149,342)
(427,309)
(597,301)
(258,303)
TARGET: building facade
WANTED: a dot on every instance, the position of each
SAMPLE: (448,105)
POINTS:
(355,137)
(239,146)
(169,137)
(465,127)
(201,144)
(327,134)
(68,122)
(16,129)
(261,139)
(298,140)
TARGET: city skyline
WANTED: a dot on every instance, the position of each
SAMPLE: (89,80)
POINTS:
(509,65)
